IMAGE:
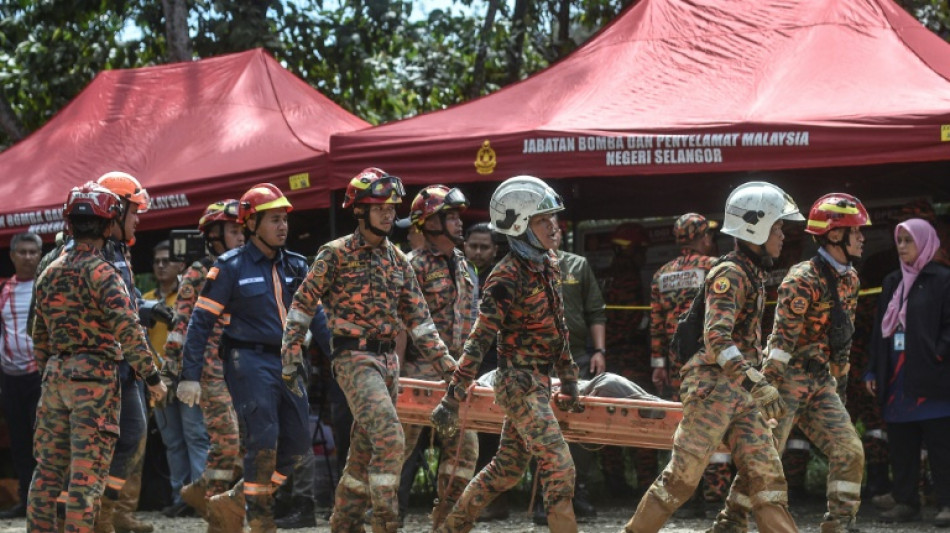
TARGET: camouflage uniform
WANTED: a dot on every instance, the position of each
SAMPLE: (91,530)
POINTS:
(672,291)
(449,292)
(798,365)
(717,408)
(216,404)
(83,316)
(368,292)
(522,307)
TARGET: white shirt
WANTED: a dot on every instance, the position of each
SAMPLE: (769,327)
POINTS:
(16,345)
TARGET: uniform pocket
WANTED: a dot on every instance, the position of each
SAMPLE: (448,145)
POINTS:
(109,428)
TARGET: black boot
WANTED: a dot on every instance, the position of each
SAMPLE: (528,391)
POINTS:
(301,515)
(582,506)
(539,516)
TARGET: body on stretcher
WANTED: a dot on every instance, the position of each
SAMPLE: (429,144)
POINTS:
(634,419)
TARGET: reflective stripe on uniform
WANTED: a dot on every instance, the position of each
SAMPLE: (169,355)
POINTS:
(277,478)
(354,484)
(876,434)
(296,316)
(770,496)
(720,458)
(742,500)
(116,483)
(219,474)
(658,362)
(426,328)
(383,480)
(175,337)
(780,355)
(849,488)
(798,444)
(447,469)
(209,305)
(727,355)
(256,489)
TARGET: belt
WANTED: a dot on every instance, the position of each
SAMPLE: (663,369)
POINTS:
(255,346)
(339,343)
(812,366)
(543,369)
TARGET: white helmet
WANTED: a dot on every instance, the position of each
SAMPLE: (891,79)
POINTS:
(518,199)
(753,207)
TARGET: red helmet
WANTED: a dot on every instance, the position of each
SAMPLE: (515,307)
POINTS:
(836,210)
(433,199)
(630,234)
(220,211)
(261,197)
(92,200)
(126,187)
(374,186)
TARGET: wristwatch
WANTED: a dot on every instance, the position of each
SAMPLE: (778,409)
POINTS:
(600,350)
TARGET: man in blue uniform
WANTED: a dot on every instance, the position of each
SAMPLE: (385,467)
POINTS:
(254,284)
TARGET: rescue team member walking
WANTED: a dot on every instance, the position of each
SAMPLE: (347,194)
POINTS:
(808,351)
(725,399)
(445,279)
(252,284)
(222,233)
(370,294)
(84,323)
(522,306)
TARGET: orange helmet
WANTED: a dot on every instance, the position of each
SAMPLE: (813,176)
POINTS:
(92,200)
(630,234)
(434,199)
(220,211)
(836,210)
(374,186)
(261,197)
(125,186)
(690,226)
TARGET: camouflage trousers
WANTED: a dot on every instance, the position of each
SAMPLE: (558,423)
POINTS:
(717,410)
(814,405)
(377,443)
(459,453)
(529,430)
(221,422)
(76,430)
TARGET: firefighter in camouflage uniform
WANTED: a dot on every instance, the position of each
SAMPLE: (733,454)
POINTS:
(672,291)
(83,316)
(725,399)
(370,293)
(450,291)
(521,307)
(221,232)
(252,285)
(808,353)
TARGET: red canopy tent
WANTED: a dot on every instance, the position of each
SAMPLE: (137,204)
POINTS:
(191,132)
(688,87)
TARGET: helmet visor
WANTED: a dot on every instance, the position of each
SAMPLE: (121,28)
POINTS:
(454,199)
(384,188)
(550,203)
(231,209)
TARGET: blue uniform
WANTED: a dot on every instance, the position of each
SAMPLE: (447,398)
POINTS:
(255,291)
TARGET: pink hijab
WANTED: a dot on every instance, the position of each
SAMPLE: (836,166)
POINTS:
(925,237)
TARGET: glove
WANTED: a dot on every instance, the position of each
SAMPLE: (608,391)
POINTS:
(768,399)
(163,313)
(569,398)
(189,393)
(291,375)
(445,416)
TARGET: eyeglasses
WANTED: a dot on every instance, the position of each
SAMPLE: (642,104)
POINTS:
(161,261)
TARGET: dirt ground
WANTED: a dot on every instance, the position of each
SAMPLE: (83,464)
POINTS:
(610,519)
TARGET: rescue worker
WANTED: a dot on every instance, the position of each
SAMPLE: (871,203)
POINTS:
(252,285)
(522,307)
(807,355)
(370,294)
(446,281)
(222,233)
(672,290)
(84,323)
(725,399)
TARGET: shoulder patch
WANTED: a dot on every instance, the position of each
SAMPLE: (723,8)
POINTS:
(187,291)
(213,273)
(799,305)
(320,268)
(721,285)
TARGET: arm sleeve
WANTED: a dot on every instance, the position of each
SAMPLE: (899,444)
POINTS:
(414,313)
(115,302)
(321,331)
(496,301)
(594,306)
(659,344)
(40,335)
(305,307)
(212,303)
(720,318)
(789,322)
(184,306)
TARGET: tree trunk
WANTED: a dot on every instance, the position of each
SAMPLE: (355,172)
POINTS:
(516,49)
(563,23)
(478,69)
(176,31)
(9,122)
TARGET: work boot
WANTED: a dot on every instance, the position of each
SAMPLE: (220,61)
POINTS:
(104,520)
(124,519)
(561,517)
(262,524)
(381,526)
(899,514)
(126,522)
(195,495)
(730,521)
(496,510)
(695,507)
(226,510)
(300,515)
(582,506)
(838,524)
(539,516)
(884,502)
(774,517)
(943,517)
(439,512)
(650,516)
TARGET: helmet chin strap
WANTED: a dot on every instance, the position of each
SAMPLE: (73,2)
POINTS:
(457,241)
(257,223)
(369,225)
(762,259)
(843,245)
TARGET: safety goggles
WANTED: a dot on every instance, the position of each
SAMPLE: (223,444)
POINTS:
(454,199)
(383,188)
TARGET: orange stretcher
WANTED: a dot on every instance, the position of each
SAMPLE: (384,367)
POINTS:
(611,421)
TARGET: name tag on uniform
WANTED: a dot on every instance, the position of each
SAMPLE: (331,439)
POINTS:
(898,341)
(246,281)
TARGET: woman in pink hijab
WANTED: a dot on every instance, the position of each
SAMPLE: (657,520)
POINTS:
(909,370)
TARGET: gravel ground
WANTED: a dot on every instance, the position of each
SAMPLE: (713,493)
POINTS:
(610,519)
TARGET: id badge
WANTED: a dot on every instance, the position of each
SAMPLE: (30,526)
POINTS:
(898,341)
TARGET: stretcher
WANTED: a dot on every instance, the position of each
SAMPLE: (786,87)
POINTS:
(610,421)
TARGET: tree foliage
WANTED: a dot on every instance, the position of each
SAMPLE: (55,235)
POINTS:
(380,59)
